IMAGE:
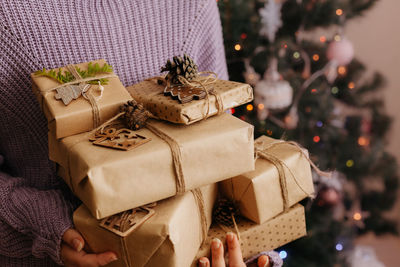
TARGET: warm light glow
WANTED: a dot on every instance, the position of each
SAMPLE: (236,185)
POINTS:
(260,106)
(308,109)
(249,107)
(284,45)
(243,36)
(316,139)
(238,47)
(351,85)
(313,91)
(315,57)
(269,132)
(339,12)
(363,141)
(337,38)
(357,216)
(335,90)
(233,111)
(296,55)
(350,163)
(342,70)
(322,39)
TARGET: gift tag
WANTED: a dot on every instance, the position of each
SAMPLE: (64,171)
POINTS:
(185,94)
(70,92)
(122,139)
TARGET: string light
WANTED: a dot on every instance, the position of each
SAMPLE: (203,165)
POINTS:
(260,106)
(284,45)
(339,247)
(308,109)
(350,163)
(351,85)
(316,139)
(314,91)
(283,254)
(243,36)
(339,12)
(249,107)
(296,55)
(335,90)
(322,39)
(315,57)
(342,70)
(238,47)
(363,141)
(319,124)
(357,216)
(233,111)
(269,132)
(337,38)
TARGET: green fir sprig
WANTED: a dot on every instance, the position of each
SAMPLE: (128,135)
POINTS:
(66,76)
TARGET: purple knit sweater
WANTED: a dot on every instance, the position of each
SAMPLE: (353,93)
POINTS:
(134,36)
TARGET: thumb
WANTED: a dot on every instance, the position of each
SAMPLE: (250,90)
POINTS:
(74,239)
(263,261)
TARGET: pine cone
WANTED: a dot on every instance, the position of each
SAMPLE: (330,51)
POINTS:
(179,66)
(135,116)
(223,212)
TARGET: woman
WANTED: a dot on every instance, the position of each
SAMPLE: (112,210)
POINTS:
(135,37)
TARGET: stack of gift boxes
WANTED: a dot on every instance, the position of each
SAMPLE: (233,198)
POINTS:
(149,194)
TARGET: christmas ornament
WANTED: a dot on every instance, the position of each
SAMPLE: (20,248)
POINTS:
(135,115)
(270,19)
(329,190)
(225,212)
(328,197)
(71,92)
(341,51)
(272,93)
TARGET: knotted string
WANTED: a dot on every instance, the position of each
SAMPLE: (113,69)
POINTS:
(281,166)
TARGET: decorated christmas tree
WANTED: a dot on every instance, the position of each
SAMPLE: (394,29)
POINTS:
(317,93)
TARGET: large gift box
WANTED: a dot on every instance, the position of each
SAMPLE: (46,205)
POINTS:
(170,238)
(255,238)
(282,178)
(68,112)
(110,181)
(229,94)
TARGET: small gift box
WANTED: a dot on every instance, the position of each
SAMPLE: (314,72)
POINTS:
(169,236)
(255,238)
(78,98)
(171,159)
(225,95)
(282,178)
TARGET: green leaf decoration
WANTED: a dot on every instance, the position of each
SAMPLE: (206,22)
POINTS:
(66,77)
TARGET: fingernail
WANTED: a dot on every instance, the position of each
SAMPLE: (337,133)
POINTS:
(230,236)
(216,243)
(113,258)
(77,244)
(203,263)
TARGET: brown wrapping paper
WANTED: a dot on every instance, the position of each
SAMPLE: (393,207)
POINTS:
(258,193)
(150,93)
(110,181)
(171,238)
(255,238)
(77,117)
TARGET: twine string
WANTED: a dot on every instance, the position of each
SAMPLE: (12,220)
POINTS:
(198,196)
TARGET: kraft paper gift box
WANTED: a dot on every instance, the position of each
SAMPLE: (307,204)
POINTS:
(255,238)
(110,181)
(259,193)
(170,238)
(150,93)
(78,117)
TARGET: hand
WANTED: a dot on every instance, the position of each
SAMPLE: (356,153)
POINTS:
(235,257)
(73,255)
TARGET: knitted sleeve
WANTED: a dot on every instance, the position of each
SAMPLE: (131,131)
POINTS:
(32,221)
(204,40)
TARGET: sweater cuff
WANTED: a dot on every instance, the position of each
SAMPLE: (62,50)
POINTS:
(50,246)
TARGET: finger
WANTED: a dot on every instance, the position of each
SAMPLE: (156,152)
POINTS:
(74,239)
(70,257)
(217,253)
(263,261)
(204,262)
(235,254)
